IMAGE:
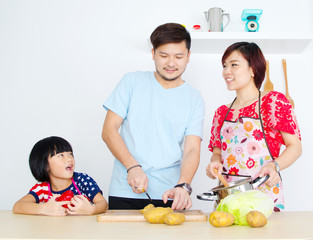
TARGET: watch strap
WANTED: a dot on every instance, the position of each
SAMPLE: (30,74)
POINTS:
(185,186)
(277,166)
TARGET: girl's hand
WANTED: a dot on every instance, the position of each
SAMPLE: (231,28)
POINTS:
(80,205)
(54,208)
(270,169)
(214,165)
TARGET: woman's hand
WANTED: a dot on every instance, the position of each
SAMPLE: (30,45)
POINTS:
(216,163)
(291,153)
(211,166)
(270,169)
(138,180)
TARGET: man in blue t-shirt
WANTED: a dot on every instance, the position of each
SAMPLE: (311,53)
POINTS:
(153,128)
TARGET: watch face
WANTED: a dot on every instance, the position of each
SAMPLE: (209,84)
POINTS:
(188,186)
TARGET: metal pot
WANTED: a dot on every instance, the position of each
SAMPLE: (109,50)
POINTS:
(220,192)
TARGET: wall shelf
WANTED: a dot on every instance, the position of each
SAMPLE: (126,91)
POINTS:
(270,43)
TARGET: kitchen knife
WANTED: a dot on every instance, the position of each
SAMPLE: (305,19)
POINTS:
(148,196)
(144,191)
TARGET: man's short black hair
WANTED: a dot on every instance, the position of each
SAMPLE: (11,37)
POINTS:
(170,33)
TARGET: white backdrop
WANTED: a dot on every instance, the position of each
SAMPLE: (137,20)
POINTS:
(60,60)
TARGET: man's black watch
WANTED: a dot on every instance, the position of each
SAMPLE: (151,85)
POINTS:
(185,186)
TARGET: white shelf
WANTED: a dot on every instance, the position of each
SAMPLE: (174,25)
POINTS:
(270,43)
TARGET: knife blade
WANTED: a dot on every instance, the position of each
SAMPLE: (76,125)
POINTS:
(144,191)
(148,196)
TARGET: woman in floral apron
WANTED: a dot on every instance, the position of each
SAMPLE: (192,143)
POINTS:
(247,134)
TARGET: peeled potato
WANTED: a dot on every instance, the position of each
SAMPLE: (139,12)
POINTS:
(146,208)
(174,218)
(221,219)
(256,219)
(156,215)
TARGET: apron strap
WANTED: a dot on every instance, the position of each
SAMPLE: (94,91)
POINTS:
(260,106)
(235,100)
(229,108)
(49,189)
(76,187)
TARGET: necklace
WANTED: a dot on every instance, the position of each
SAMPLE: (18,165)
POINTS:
(246,103)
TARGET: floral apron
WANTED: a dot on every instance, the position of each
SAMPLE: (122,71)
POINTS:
(245,151)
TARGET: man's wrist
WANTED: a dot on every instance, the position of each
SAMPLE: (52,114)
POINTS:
(185,186)
(137,165)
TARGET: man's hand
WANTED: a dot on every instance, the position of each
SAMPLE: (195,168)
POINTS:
(137,179)
(180,196)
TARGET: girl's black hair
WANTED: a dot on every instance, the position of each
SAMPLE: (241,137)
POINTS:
(42,150)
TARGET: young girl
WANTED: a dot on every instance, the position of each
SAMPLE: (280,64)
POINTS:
(52,163)
(247,134)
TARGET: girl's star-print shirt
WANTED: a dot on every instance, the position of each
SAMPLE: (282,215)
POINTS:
(86,184)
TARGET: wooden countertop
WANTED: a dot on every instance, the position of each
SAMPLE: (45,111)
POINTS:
(286,225)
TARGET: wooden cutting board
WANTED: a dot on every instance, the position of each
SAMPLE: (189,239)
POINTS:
(137,216)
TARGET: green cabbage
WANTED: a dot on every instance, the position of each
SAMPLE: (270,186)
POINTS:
(241,203)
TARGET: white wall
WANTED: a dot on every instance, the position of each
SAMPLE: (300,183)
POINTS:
(59,61)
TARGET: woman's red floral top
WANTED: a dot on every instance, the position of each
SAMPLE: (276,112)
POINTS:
(277,115)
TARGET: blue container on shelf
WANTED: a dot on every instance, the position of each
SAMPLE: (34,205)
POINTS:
(252,17)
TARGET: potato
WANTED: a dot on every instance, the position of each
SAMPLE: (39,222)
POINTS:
(174,218)
(256,219)
(221,219)
(156,215)
(146,208)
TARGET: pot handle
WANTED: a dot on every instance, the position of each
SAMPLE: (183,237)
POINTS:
(207,197)
(259,181)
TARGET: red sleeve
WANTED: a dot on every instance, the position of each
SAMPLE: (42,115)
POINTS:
(34,188)
(40,191)
(215,140)
(279,115)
